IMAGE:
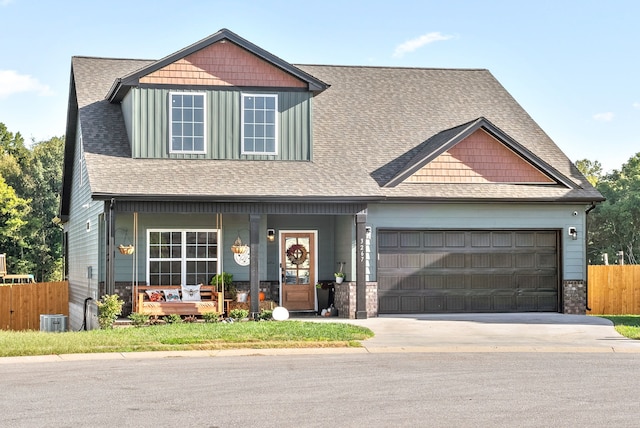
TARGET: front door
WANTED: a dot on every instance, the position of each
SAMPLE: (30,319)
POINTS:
(298,264)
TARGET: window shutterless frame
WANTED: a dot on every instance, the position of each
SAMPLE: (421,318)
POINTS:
(182,256)
(187,122)
(259,133)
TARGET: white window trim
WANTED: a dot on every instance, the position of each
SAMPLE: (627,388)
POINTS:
(183,250)
(276,123)
(204,124)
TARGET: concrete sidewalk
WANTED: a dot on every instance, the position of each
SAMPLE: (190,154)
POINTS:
(522,332)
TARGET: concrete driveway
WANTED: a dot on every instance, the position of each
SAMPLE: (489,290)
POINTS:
(524,332)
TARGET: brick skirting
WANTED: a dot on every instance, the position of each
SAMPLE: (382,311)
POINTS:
(574,297)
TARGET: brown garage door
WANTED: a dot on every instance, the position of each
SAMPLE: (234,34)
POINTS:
(435,271)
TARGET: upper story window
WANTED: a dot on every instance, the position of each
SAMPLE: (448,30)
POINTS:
(259,124)
(187,118)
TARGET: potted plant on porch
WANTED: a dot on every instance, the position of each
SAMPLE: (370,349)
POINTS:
(224,281)
(339,277)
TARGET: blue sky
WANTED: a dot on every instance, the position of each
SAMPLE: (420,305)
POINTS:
(573,65)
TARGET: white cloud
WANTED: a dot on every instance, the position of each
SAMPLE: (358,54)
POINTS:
(604,117)
(412,45)
(12,83)
(636,105)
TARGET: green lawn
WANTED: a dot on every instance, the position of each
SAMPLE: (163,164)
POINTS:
(626,325)
(185,336)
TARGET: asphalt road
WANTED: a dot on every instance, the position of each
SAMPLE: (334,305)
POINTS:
(436,389)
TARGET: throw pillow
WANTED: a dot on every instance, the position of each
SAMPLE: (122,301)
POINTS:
(191,293)
(155,295)
(172,295)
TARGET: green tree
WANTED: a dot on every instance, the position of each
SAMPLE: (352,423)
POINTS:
(13,214)
(35,176)
(43,181)
(591,170)
(615,225)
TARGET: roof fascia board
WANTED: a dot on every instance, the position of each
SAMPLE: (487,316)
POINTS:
(120,86)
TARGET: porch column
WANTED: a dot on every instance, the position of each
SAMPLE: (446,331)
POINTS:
(254,272)
(361,279)
(110,283)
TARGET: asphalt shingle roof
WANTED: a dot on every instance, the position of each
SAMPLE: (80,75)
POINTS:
(366,126)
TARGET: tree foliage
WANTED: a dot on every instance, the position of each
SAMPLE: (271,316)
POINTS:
(31,179)
(615,224)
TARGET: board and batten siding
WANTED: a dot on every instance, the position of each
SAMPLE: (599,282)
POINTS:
(146,116)
(489,217)
(82,244)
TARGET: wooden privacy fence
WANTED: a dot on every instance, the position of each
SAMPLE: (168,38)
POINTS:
(22,304)
(614,290)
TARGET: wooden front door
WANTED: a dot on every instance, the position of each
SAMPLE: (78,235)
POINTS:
(298,264)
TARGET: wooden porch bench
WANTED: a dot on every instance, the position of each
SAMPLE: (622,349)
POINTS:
(211,301)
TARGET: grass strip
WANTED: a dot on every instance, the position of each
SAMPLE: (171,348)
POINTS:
(626,325)
(185,336)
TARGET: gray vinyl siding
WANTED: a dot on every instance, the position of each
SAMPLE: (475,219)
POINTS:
(232,226)
(146,116)
(83,244)
(489,217)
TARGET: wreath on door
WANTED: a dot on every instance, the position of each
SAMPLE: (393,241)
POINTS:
(297,254)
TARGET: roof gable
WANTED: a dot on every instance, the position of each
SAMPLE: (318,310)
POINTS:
(476,152)
(223,64)
(479,158)
(223,58)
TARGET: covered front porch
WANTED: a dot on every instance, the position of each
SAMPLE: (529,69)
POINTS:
(279,252)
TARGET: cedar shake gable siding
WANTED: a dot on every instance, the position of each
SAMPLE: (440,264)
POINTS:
(222,64)
(479,158)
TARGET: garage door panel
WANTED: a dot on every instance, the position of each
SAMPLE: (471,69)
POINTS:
(388,261)
(454,281)
(434,282)
(410,239)
(433,239)
(502,239)
(525,260)
(454,261)
(468,271)
(504,260)
(547,261)
(389,305)
(454,239)
(433,260)
(411,304)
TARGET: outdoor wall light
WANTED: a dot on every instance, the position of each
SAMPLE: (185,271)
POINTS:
(271,235)
(573,232)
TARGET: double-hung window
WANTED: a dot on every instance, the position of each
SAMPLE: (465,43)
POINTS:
(177,257)
(187,115)
(259,124)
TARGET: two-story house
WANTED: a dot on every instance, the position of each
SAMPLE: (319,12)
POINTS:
(431,189)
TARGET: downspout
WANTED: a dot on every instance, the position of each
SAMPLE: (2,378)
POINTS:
(586,267)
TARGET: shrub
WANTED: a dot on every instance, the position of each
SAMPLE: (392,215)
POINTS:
(211,317)
(266,314)
(238,314)
(138,319)
(172,319)
(109,309)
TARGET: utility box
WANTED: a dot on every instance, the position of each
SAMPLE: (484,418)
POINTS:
(54,323)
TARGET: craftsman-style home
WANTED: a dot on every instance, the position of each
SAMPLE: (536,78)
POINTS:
(432,190)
